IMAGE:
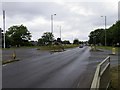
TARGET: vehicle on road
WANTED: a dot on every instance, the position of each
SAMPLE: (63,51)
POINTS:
(81,46)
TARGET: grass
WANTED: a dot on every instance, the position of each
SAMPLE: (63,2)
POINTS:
(50,47)
(115,72)
(107,47)
(12,48)
(9,61)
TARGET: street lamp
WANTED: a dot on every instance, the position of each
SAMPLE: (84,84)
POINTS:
(52,22)
(4,26)
(60,30)
(105,30)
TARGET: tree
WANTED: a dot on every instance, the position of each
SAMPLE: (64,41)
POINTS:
(41,42)
(97,36)
(18,35)
(112,35)
(46,39)
(76,41)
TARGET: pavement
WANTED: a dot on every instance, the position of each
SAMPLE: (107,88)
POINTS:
(73,68)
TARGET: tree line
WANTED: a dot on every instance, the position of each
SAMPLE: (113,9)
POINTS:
(19,35)
(112,36)
(48,38)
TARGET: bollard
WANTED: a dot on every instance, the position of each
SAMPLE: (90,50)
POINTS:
(92,47)
(113,51)
(14,55)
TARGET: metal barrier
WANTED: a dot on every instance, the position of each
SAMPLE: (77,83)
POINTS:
(102,75)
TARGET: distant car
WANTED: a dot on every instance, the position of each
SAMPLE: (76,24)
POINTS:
(81,46)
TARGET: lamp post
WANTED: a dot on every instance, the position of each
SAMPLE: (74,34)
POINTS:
(52,25)
(52,22)
(105,30)
(4,26)
(60,30)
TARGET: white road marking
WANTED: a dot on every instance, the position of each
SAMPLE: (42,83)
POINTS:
(78,85)
(4,65)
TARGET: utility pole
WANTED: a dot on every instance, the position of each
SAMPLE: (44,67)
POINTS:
(4,26)
(105,31)
(60,32)
(52,23)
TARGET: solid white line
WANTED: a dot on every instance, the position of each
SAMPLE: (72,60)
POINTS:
(78,85)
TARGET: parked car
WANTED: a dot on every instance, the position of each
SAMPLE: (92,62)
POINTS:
(81,46)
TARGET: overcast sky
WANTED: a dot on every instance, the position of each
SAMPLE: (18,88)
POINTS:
(77,19)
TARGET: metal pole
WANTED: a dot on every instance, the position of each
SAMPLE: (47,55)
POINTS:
(60,32)
(51,23)
(105,32)
(4,26)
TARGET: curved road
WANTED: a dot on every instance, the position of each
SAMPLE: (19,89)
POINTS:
(68,69)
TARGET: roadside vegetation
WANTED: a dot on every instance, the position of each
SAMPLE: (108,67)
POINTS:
(107,48)
(115,83)
(114,71)
(97,36)
(9,61)
(18,36)
(48,47)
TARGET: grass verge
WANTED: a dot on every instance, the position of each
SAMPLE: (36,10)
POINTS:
(50,47)
(107,47)
(115,72)
(9,61)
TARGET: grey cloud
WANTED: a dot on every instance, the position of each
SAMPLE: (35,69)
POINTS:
(73,19)
(33,9)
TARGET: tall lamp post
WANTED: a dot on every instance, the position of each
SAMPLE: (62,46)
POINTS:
(52,22)
(105,30)
(60,30)
(4,26)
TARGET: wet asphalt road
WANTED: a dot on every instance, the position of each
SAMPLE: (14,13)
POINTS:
(22,53)
(73,68)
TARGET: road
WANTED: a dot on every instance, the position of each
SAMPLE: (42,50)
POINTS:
(22,53)
(73,68)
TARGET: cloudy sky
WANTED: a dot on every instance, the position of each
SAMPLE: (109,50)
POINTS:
(77,19)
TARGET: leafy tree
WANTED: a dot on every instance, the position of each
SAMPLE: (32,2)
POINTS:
(97,36)
(112,35)
(18,35)
(76,41)
(46,39)
(115,33)
(41,42)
